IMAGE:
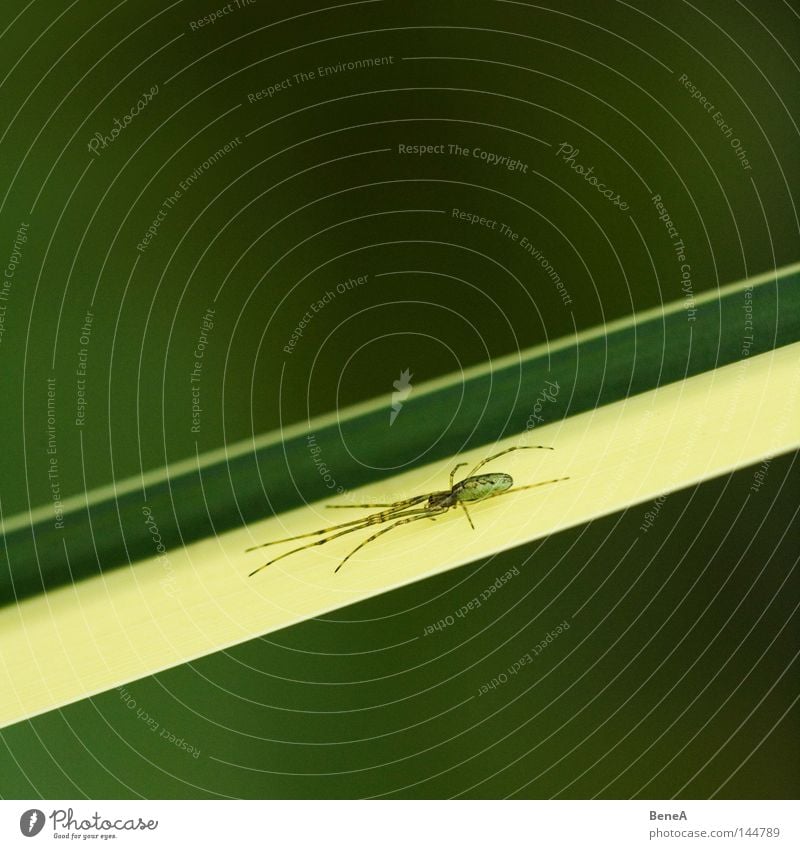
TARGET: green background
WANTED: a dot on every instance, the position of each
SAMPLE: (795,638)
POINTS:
(362,704)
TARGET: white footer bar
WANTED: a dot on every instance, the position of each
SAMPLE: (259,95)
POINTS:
(338,824)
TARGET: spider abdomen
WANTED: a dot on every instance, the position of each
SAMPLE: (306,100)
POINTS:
(482,486)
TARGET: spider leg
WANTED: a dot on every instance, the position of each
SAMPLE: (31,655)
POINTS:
(526,486)
(507,451)
(406,502)
(453,473)
(464,507)
(385,531)
(373,518)
(364,523)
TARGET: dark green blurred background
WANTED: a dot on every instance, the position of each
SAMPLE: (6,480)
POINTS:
(316,193)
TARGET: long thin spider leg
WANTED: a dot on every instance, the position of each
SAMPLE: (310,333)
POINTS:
(464,507)
(507,451)
(366,523)
(453,473)
(307,545)
(406,502)
(383,531)
(373,518)
(526,486)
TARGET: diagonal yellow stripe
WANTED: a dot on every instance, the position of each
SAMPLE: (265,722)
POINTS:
(80,640)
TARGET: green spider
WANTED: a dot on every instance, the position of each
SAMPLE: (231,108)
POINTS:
(471,489)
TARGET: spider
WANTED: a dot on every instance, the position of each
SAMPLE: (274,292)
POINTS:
(472,488)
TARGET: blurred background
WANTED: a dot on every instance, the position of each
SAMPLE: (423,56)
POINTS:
(218,222)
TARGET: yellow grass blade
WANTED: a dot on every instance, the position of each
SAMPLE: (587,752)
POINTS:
(80,640)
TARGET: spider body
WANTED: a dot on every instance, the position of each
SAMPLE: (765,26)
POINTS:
(479,487)
(469,490)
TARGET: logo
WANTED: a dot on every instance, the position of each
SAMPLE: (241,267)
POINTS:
(403,389)
(31,822)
